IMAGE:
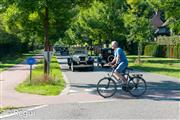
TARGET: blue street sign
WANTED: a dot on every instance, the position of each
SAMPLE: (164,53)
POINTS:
(31,61)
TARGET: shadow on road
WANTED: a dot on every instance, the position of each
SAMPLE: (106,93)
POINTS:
(164,90)
(158,91)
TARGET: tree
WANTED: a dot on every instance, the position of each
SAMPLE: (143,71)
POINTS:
(102,22)
(35,17)
(137,21)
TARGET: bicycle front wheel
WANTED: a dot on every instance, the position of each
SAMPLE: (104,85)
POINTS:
(106,87)
(137,86)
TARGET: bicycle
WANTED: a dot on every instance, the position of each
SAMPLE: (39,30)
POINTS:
(136,85)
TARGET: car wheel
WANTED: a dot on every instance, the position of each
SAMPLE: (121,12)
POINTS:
(110,58)
(72,67)
(92,68)
(102,65)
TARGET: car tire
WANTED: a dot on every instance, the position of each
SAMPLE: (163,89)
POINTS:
(72,67)
(110,58)
(92,68)
(102,65)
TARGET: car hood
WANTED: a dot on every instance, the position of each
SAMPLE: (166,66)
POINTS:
(80,55)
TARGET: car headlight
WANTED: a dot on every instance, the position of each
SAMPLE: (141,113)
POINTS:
(76,59)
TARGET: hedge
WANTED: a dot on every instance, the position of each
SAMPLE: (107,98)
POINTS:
(11,45)
(150,49)
(162,50)
(177,51)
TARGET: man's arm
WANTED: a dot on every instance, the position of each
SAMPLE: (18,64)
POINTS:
(118,56)
(118,59)
(113,61)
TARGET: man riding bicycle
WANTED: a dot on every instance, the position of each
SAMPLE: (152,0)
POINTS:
(120,62)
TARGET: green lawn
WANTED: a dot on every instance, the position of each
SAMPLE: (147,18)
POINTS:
(10,61)
(2,109)
(164,66)
(53,86)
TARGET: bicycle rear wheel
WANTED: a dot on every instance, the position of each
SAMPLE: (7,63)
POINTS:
(106,87)
(137,86)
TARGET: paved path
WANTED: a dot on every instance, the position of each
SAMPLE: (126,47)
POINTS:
(10,78)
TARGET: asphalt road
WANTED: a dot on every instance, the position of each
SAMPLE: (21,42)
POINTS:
(115,109)
(162,100)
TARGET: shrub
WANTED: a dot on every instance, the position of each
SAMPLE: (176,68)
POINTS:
(160,51)
(177,51)
(150,49)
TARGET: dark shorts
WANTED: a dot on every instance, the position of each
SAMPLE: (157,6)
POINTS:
(121,67)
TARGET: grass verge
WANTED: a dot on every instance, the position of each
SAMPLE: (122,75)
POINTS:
(164,66)
(2,109)
(51,86)
(10,61)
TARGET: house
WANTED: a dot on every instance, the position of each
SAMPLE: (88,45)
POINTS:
(160,26)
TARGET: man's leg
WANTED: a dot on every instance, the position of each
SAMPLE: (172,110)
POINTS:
(119,69)
(119,76)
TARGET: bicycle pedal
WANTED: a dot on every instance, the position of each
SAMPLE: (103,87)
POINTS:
(125,88)
(130,87)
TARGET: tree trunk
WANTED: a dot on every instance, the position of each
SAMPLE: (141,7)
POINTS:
(32,45)
(46,41)
(139,52)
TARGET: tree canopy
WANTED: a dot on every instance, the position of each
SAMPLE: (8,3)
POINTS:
(85,22)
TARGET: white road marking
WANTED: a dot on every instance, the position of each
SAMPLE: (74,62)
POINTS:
(90,90)
(73,91)
(38,107)
(98,101)
(20,112)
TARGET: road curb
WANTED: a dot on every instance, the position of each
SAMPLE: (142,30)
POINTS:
(67,83)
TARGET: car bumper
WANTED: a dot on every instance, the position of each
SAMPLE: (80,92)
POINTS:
(82,66)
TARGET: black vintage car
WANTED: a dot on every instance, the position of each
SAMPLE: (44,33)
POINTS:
(61,50)
(106,56)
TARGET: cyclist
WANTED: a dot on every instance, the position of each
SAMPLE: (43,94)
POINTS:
(120,62)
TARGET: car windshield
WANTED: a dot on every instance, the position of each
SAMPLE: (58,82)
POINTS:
(79,52)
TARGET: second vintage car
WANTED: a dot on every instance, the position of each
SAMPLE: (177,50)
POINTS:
(106,56)
(80,59)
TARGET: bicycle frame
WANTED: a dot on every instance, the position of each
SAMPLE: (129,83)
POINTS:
(125,72)
(132,84)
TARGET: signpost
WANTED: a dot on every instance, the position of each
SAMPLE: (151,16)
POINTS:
(48,55)
(31,61)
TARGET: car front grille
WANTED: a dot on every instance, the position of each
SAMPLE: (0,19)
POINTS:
(82,58)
